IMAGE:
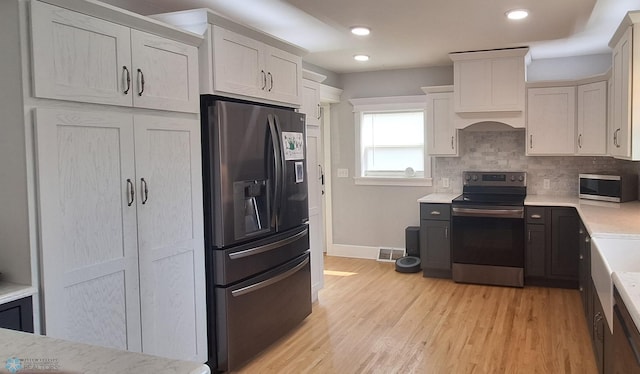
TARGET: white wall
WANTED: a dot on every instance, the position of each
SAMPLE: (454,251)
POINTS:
(568,67)
(373,216)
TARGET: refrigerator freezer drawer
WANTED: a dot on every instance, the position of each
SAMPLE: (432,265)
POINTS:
(255,313)
(244,261)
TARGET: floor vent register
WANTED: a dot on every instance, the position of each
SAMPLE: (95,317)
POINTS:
(390,254)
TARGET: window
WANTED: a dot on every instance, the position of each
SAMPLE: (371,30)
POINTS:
(390,139)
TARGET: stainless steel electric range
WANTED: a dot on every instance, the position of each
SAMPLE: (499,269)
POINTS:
(488,226)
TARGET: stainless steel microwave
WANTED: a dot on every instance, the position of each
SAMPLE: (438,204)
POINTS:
(609,187)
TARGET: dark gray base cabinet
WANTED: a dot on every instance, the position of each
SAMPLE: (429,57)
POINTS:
(552,247)
(435,240)
(17,315)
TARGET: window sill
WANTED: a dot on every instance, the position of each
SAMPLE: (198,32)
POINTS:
(407,182)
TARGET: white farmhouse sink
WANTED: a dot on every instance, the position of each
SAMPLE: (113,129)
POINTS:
(610,255)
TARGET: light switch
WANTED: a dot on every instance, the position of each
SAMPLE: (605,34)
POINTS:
(445,182)
(546,184)
(343,173)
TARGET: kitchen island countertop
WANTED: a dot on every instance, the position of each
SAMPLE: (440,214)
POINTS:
(26,351)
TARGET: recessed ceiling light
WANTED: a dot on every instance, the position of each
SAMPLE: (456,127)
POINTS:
(360,30)
(361,58)
(517,14)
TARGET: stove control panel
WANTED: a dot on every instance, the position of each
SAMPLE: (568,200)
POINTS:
(495,179)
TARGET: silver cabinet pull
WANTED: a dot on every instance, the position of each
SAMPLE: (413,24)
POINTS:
(319,112)
(531,141)
(535,216)
(580,141)
(446,233)
(452,142)
(131,192)
(435,213)
(143,187)
(270,81)
(126,70)
(141,75)
(264,79)
(529,240)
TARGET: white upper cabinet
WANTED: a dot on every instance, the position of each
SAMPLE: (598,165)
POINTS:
(241,62)
(284,76)
(238,64)
(311,102)
(489,81)
(442,137)
(551,124)
(78,57)
(248,67)
(166,73)
(624,131)
(84,58)
(592,119)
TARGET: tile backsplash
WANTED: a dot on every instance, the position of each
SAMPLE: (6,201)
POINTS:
(505,151)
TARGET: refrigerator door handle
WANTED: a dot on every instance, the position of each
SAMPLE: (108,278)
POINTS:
(270,281)
(283,166)
(278,169)
(268,247)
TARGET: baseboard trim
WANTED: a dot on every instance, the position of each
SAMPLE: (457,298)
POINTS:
(354,251)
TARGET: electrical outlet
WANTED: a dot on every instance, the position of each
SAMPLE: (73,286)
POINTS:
(343,173)
(445,182)
(546,184)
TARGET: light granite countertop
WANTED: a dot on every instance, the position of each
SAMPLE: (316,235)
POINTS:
(41,353)
(438,198)
(628,284)
(12,291)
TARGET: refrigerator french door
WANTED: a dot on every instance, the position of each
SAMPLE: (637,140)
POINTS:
(256,234)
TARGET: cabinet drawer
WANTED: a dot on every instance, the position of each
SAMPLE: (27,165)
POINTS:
(536,214)
(435,211)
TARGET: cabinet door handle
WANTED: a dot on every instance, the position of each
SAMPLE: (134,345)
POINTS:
(536,216)
(131,192)
(435,213)
(580,141)
(143,187)
(141,74)
(581,257)
(319,112)
(587,239)
(126,70)
(452,142)
(446,233)
(531,141)
(529,240)
(270,81)
(264,79)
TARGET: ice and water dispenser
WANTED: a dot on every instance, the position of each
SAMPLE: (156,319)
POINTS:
(251,208)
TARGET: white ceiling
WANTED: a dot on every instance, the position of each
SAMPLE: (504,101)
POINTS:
(416,33)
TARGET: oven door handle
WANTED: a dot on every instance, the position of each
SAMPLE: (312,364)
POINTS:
(497,213)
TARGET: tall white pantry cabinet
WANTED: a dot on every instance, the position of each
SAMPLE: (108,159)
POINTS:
(100,175)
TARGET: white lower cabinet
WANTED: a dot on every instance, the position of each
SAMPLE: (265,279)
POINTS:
(121,230)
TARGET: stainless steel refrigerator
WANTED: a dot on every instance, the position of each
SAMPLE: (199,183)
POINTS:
(256,234)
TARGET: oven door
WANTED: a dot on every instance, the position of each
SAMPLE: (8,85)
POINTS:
(488,235)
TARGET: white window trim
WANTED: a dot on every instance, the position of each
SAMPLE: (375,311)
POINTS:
(388,104)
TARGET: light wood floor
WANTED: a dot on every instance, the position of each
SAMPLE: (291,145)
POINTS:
(371,319)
